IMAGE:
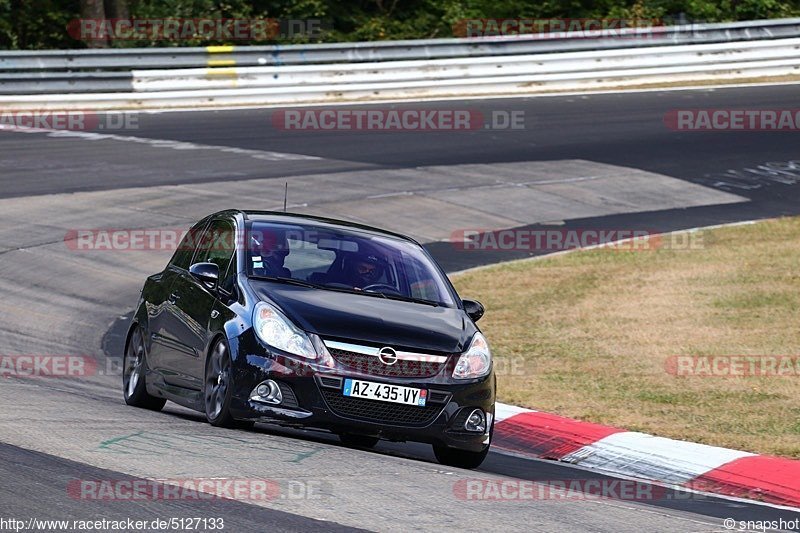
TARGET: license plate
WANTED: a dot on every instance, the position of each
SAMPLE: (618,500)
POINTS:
(385,392)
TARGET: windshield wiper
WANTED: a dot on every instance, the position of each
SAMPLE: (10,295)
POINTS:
(402,298)
(307,284)
(301,283)
(288,281)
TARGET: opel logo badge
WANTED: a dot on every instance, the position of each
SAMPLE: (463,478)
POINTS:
(388,356)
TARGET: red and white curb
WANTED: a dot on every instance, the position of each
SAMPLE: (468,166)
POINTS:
(615,451)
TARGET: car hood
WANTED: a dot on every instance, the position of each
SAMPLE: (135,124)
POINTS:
(355,317)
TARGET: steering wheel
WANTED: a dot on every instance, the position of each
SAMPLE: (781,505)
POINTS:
(374,286)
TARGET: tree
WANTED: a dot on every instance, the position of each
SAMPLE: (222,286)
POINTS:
(117,9)
(94,10)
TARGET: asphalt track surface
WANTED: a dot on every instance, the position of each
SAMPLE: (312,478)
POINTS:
(57,301)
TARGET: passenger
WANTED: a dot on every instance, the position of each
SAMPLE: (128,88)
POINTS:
(268,252)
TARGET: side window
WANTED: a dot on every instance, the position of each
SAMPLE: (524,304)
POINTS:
(182,258)
(228,279)
(217,245)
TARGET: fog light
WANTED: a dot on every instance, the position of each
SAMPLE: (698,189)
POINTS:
(476,421)
(267,392)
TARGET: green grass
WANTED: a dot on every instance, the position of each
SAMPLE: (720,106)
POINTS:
(590,333)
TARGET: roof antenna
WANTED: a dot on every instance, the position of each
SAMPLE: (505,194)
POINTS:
(285,196)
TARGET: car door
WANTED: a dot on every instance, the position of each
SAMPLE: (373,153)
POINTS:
(161,304)
(192,304)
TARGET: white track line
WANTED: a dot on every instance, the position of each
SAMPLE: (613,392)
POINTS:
(165,143)
(705,88)
(605,245)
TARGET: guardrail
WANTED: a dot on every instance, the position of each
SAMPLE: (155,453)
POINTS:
(399,69)
(228,56)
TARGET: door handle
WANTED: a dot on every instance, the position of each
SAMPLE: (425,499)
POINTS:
(174,296)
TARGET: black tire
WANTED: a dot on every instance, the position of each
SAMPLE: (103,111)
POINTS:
(134,374)
(462,458)
(218,386)
(459,458)
(358,441)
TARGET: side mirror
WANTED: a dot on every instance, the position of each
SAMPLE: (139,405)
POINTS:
(474,309)
(207,273)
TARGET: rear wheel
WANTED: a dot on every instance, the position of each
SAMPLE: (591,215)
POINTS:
(358,441)
(219,387)
(134,374)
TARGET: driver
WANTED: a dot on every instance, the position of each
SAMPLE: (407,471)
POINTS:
(363,270)
(268,253)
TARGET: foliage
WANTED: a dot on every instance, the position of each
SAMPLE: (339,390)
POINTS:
(40,24)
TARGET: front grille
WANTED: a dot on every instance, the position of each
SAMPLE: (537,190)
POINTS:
(369,364)
(380,412)
(438,397)
(289,398)
(333,382)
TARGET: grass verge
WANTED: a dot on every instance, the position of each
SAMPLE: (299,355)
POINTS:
(589,335)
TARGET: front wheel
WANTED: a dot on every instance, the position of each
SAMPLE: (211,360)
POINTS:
(459,458)
(219,387)
(462,458)
(358,441)
(134,375)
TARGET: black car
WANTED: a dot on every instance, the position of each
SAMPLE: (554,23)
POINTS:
(316,323)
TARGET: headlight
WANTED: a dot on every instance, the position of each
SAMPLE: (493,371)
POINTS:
(276,330)
(476,361)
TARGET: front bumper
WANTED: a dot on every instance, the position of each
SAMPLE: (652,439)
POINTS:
(312,398)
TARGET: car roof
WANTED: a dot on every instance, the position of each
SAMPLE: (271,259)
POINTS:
(288,217)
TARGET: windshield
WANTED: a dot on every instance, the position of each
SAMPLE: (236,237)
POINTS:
(343,259)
